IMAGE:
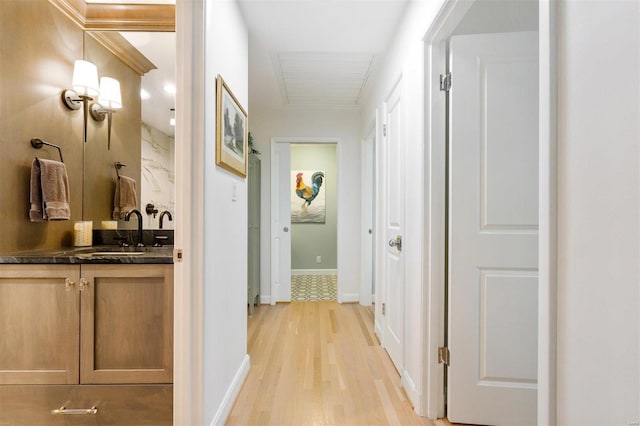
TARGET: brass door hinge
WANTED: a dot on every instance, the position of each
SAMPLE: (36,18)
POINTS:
(443,355)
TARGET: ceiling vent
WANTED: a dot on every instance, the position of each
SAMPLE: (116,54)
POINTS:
(324,79)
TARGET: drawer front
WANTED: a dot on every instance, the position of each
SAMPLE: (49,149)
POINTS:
(122,405)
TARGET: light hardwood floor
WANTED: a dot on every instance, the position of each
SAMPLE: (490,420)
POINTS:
(319,363)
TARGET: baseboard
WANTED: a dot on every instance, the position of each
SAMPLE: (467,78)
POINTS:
(232,393)
(412,393)
(349,298)
(265,300)
(378,331)
(314,271)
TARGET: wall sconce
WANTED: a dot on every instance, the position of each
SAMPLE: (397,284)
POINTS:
(85,87)
(108,102)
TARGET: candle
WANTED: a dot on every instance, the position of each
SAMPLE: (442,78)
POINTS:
(83,233)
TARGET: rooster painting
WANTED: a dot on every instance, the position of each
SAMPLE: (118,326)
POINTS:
(312,193)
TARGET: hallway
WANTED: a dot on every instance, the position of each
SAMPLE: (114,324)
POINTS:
(319,363)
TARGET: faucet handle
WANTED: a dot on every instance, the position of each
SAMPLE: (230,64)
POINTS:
(123,241)
(159,239)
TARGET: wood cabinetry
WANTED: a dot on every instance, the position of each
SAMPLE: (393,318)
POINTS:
(86,334)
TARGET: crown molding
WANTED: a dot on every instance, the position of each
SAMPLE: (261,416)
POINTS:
(119,16)
(123,50)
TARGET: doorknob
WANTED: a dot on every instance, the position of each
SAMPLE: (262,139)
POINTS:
(285,229)
(397,243)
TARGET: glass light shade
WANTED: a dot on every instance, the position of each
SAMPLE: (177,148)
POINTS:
(85,78)
(110,97)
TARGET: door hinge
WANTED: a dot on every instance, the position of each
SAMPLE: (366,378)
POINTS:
(177,255)
(384,130)
(445,82)
(443,355)
(384,306)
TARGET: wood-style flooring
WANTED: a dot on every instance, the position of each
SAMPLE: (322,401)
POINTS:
(319,363)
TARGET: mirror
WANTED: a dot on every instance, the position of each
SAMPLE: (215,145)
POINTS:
(142,136)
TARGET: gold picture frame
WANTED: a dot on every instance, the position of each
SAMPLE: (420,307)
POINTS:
(231,122)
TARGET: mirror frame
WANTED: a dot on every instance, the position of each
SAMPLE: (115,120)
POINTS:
(119,16)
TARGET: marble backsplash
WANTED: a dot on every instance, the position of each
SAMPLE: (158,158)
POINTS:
(157,175)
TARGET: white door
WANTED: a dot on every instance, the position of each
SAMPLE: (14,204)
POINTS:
(367,288)
(493,219)
(393,217)
(280,223)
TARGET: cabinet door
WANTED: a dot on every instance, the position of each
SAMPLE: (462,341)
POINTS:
(127,324)
(39,314)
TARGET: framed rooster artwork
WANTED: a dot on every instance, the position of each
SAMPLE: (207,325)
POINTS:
(308,200)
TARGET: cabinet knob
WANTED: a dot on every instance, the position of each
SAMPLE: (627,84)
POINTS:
(83,284)
(68,284)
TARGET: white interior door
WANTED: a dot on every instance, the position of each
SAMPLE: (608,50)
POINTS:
(367,288)
(493,217)
(393,260)
(280,223)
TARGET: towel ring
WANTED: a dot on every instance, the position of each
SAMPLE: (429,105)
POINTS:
(119,165)
(37,144)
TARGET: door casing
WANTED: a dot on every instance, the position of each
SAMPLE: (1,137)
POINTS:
(274,194)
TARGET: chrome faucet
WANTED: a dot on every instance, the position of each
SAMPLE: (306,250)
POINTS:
(139,215)
(166,212)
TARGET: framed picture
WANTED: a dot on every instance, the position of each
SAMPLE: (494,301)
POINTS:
(231,131)
(308,198)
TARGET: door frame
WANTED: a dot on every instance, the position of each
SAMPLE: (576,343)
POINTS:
(369,211)
(188,342)
(274,201)
(435,40)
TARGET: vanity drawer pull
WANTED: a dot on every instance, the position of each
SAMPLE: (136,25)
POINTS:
(63,410)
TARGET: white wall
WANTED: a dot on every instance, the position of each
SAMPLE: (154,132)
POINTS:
(225,221)
(598,366)
(318,123)
(405,59)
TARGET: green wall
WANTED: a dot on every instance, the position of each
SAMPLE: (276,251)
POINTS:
(309,240)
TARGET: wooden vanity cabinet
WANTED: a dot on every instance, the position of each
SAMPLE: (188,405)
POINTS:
(86,335)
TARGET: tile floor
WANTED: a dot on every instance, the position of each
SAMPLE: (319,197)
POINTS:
(309,288)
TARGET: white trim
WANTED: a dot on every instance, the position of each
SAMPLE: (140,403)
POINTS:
(188,275)
(410,389)
(232,393)
(349,298)
(274,173)
(548,213)
(314,272)
(265,300)
(433,400)
(435,61)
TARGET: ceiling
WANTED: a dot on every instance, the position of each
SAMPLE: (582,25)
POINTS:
(316,52)
(309,52)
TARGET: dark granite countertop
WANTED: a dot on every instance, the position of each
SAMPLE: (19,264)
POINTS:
(102,254)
